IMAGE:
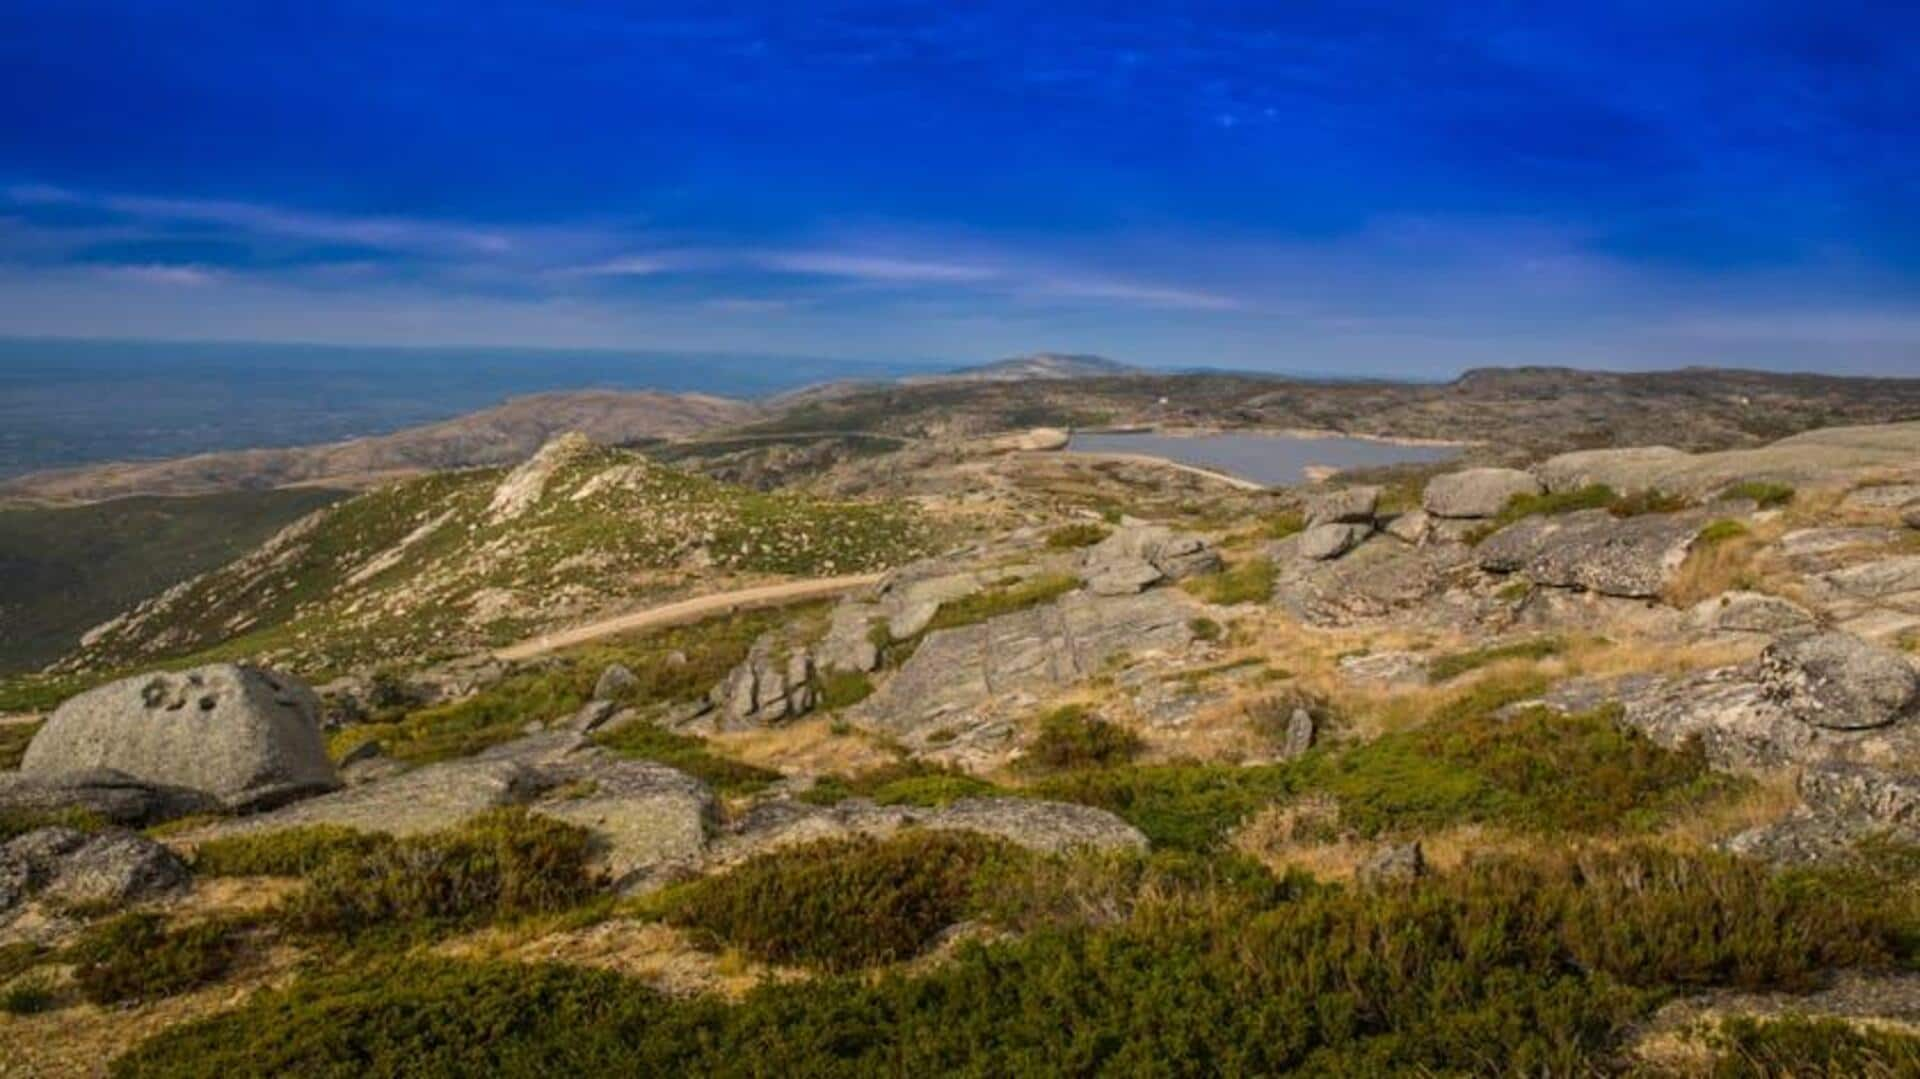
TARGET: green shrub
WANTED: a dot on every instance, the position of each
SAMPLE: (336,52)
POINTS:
(839,904)
(1522,965)
(1249,582)
(138,956)
(1750,1048)
(1537,771)
(19,956)
(502,864)
(1763,494)
(844,689)
(1448,667)
(690,754)
(1205,629)
(909,781)
(292,852)
(28,996)
(1068,537)
(1641,503)
(994,602)
(1070,738)
(13,742)
(1180,806)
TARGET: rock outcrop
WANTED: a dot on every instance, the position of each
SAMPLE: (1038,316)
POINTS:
(1329,541)
(248,737)
(1047,827)
(114,797)
(1477,492)
(1594,551)
(1752,612)
(1139,556)
(1347,505)
(76,869)
(652,822)
(775,682)
(1838,681)
(956,673)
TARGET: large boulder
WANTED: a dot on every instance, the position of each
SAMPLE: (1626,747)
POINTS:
(1346,506)
(428,799)
(1328,541)
(249,737)
(1840,682)
(849,643)
(1477,492)
(1629,470)
(1595,551)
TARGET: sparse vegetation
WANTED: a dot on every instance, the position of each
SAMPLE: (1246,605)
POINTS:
(28,996)
(905,782)
(1453,665)
(1069,537)
(287,852)
(1763,494)
(1006,599)
(689,754)
(843,689)
(14,738)
(1754,1048)
(15,822)
(840,904)
(1280,525)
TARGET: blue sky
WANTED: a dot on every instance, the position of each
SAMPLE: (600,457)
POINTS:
(1375,188)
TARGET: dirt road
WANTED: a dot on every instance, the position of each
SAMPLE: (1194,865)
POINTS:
(689,610)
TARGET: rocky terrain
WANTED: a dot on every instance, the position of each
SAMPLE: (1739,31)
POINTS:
(1577,760)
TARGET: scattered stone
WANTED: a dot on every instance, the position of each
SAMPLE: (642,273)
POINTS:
(1595,551)
(1477,492)
(115,868)
(1324,542)
(1348,505)
(1299,736)
(1410,527)
(1838,681)
(614,682)
(592,715)
(1396,863)
(1123,579)
(1752,612)
(249,737)
(371,749)
(1390,670)
(1047,827)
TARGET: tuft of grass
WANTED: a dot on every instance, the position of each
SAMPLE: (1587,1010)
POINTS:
(1280,525)
(1206,629)
(1765,495)
(1188,806)
(844,689)
(1069,738)
(1448,667)
(28,996)
(291,852)
(1073,536)
(13,742)
(18,822)
(1721,531)
(1249,582)
(139,956)
(1746,1047)
(689,754)
(839,905)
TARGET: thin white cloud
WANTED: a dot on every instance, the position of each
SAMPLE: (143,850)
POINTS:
(871,267)
(1134,292)
(157,273)
(385,232)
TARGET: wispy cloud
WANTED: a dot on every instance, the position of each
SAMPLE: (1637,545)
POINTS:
(872,267)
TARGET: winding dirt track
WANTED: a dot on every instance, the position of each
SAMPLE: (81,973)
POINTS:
(689,610)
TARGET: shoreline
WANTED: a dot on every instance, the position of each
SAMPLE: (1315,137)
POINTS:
(1277,432)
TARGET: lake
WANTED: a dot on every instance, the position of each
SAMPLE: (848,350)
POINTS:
(1276,460)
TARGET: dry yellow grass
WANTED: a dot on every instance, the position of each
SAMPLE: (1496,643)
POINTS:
(805,747)
(657,954)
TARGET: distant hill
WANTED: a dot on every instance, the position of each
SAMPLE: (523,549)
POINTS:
(71,568)
(1041,365)
(500,435)
(459,560)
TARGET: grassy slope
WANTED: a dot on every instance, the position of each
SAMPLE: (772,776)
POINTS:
(71,568)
